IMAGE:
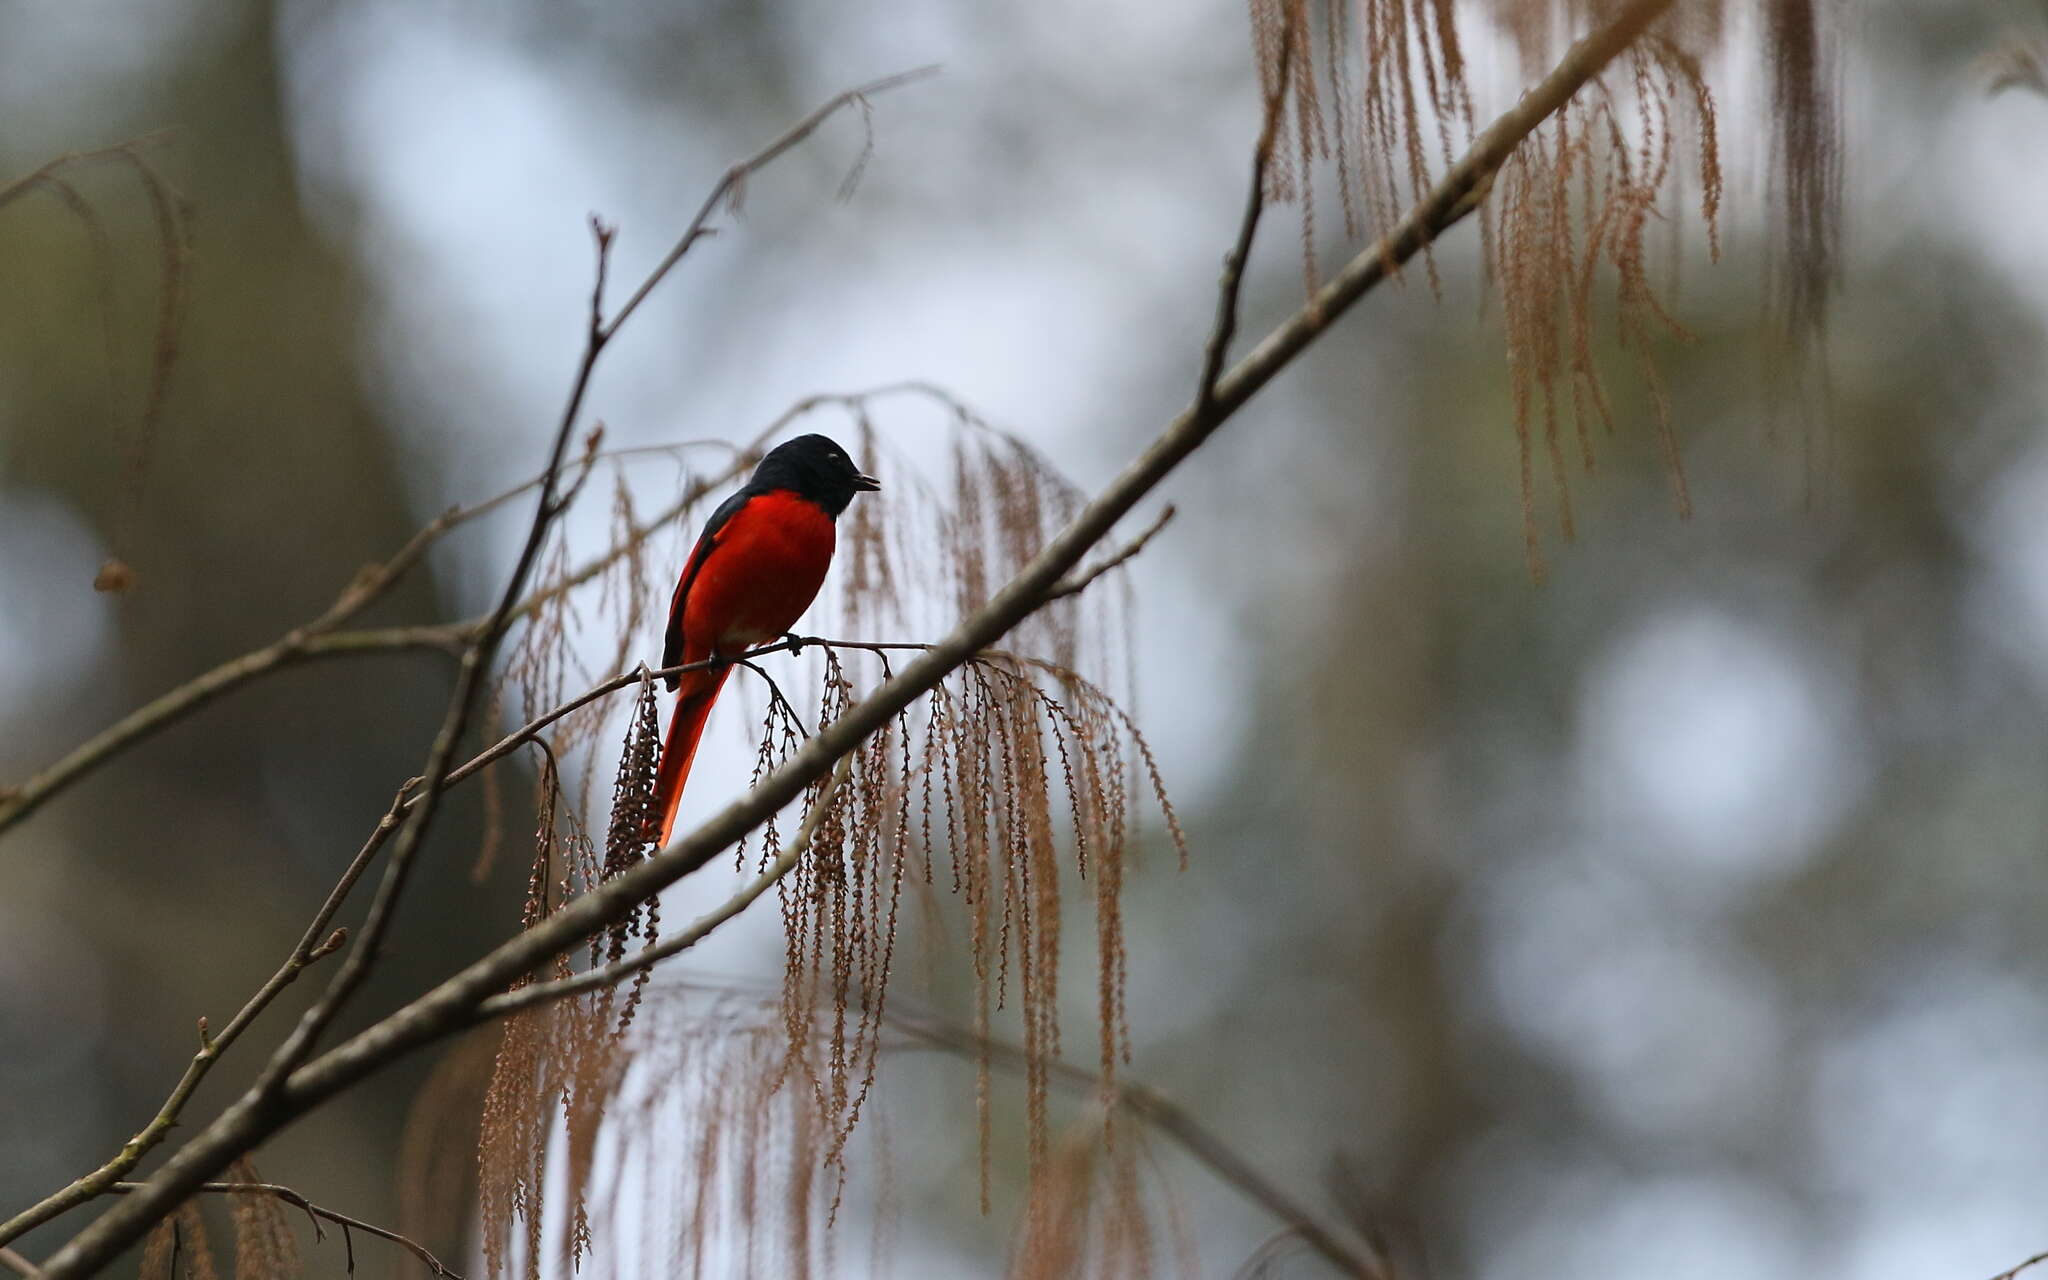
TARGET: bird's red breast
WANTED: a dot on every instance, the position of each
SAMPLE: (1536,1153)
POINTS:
(762,570)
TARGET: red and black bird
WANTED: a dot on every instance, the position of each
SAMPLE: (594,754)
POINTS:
(755,569)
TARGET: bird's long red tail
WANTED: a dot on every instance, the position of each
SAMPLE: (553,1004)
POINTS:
(685,727)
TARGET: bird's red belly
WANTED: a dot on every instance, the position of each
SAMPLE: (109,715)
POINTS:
(764,572)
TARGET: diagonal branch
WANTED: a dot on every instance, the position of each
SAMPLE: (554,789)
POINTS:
(729,186)
(1168,1117)
(318,1212)
(452,1005)
(1075,584)
(612,974)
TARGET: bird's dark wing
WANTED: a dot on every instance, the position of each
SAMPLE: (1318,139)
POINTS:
(672,648)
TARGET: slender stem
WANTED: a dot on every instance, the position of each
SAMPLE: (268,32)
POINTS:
(612,974)
(1169,1118)
(2034,1261)
(740,172)
(297,647)
(1076,583)
(300,1202)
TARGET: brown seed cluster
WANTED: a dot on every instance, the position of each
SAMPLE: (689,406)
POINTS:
(1382,91)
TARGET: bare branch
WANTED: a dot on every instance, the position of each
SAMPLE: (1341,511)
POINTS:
(739,173)
(300,1202)
(612,974)
(1169,1118)
(298,647)
(453,1004)
(18,187)
(1225,327)
(2034,1261)
(1079,582)
(19,1265)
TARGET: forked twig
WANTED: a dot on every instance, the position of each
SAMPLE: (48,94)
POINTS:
(1079,582)
(736,176)
(1169,1118)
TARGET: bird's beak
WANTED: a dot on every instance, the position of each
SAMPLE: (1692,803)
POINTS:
(866,484)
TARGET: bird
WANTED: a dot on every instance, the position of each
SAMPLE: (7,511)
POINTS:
(756,567)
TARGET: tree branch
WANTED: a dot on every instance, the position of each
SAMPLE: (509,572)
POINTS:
(302,645)
(452,1004)
(1076,583)
(1169,1118)
(540,993)
(315,1211)
(2034,1261)
(737,175)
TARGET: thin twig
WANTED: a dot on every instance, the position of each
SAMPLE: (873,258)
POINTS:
(1169,1118)
(1224,328)
(452,1005)
(306,1206)
(18,802)
(612,974)
(16,188)
(19,1265)
(740,172)
(2034,1261)
(1075,584)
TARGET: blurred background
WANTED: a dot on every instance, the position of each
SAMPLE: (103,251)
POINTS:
(1680,912)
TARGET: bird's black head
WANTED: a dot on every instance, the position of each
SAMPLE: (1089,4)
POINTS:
(816,468)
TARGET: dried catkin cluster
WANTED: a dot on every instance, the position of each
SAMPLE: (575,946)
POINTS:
(1383,92)
(265,1248)
(1573,206)
(1016,767)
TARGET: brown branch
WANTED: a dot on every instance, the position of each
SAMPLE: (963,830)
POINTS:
(612,974)
(19,1265)
(18,187)
(1169,1118)
(734,177)
(299,646)
(2034,1261)
(452,1005)
(1075,584)
(1224,328)
(316,1212)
